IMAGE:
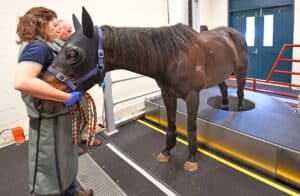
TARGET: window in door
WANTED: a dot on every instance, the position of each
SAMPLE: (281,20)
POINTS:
(250,30)
(268,30)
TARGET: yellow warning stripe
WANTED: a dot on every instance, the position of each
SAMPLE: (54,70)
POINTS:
(230,164)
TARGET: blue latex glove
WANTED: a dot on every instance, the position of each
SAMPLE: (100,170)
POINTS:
(75,96)
(103,85)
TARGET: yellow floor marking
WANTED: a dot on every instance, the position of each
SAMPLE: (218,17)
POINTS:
(230,164)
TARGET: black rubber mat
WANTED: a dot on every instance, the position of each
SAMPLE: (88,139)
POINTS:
(143,144)
(13,170)
(128,179)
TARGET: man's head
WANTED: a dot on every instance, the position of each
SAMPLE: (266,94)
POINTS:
(64,29)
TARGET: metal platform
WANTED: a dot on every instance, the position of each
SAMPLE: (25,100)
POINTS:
(265,137)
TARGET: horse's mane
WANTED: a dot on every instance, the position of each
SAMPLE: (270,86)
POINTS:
(148,48)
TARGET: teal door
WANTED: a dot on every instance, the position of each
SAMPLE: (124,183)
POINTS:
(266,30)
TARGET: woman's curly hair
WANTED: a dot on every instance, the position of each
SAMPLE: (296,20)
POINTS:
(33,23)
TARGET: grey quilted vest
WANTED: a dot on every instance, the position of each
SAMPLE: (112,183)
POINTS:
(52,157)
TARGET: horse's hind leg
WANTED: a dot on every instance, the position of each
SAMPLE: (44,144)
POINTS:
(192,104)
(171,105)
(223,89)
(241,81)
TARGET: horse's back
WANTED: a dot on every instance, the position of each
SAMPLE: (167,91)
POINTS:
(239,43)
(226,32)
(226,51)
(233,34)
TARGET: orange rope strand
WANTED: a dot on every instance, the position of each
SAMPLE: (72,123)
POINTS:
(90,119)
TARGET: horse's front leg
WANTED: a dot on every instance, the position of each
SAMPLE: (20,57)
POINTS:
(171,105)
(192,103)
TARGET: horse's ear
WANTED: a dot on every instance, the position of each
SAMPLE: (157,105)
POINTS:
(76,22)
(87,23)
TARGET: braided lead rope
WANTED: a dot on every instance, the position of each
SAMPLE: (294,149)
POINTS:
(94,123)
(76,122)
(74,125)
(81,109)
(89,122)
(90,119)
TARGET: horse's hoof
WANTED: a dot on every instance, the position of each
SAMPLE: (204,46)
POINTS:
(241,108)
(163,158)
(224,107)
(190,166)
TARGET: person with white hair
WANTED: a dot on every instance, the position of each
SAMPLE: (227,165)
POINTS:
(64,30)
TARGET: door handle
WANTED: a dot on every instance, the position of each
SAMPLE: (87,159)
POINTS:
(255,51)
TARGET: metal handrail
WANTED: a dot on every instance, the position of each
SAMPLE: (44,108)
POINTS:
(135,97)
(109,103)
(126,79)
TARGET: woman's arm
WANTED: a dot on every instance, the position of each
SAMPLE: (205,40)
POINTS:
(26,80)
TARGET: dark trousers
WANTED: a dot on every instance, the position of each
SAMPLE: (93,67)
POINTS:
(69,192)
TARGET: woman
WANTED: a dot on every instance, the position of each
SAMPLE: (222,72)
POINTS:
(52,157)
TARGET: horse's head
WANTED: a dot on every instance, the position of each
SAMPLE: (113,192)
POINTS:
(79,64)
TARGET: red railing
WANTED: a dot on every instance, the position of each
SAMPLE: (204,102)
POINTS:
(280,59)
(254,87)
(274,70)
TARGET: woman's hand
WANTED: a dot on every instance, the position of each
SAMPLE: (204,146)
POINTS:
(75,96)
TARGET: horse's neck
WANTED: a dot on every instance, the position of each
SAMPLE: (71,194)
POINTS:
(133,62)
(133,68)
(133,49)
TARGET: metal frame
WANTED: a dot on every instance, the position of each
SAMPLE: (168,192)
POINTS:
(270,158)
(109,103)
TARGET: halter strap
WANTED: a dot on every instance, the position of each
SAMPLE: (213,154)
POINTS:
(100,50)
(100,65)
(62,77)
(98,69)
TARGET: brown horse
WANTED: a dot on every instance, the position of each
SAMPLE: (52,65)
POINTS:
(181,61)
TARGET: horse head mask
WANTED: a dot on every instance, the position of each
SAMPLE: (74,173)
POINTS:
(80,64)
